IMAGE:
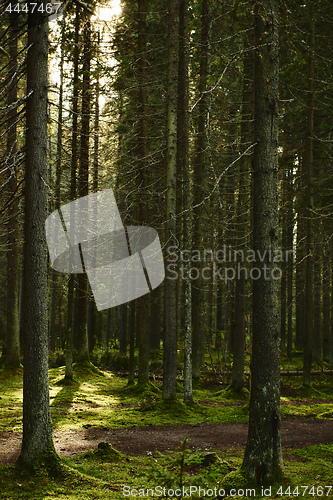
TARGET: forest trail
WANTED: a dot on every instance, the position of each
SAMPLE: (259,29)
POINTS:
(140,440)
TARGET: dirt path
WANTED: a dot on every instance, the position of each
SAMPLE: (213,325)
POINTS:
(296,432)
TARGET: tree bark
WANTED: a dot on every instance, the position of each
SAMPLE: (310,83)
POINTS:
(37,432)
(143,302)
(83,189)
(263,455)
(12,313)
(242,220)
(170,335)
(290,262)
(71,313)
(308,166)
(200,183)
(183,168)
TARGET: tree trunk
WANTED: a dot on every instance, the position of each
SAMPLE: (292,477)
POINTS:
(170,335)
(242,220)
(300,268)
(143,301)
(200,183)
(12,312)
(37,431)
(283,288)
(263,455)
(183,168)
(71,313)
(317,334)
(82,302)
(290,262)
(308,165)
(326,304)
(53,327)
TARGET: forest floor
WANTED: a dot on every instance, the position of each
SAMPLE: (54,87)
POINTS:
(145,436)
(297,432)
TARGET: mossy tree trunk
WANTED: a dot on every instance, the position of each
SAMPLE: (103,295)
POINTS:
(37,431)
(263,456)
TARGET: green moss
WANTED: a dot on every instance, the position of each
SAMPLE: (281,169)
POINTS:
(235,480)
(85,368)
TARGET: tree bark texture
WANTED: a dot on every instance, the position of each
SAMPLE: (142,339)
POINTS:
(263,456)
(37,431)
(12,312)
(183,168)
(243,220)
(82,301)
(200,182)
(308,166)
(170,334)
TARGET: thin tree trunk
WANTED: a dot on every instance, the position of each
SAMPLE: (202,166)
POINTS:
(326,305)
(71,313)
(317,334)
(290,263)
(283,288)
(300,269)
(144,303)
(308,165)
(53,328)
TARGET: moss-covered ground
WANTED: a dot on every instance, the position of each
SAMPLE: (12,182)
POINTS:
(100,398)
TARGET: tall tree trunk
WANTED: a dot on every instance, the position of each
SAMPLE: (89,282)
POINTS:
(242,220)
(290,262)
(326,304)
(37,431)
(183,168)
(308,165)
(53,328)
(263,455)
(12,312)
(170,334)
(331,329)
(144,304)
(71,324)
(300,267)
(283,288)
(317,271)
(200,183)
(82,302)
(91,303)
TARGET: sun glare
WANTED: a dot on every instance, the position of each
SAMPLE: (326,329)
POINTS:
(108,13)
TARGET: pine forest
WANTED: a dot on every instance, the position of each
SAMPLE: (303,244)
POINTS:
(166,249)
